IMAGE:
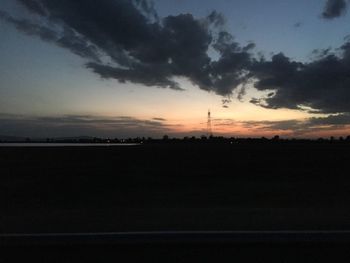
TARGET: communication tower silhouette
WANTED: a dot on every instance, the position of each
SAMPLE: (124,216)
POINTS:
(209,129)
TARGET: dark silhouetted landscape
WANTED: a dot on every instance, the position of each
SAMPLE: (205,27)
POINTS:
(176,186)
(173,130)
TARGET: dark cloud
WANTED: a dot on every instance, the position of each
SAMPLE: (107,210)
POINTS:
(148,8)
(338,119)
(321,85)
(334,8)
(138,74)
(127,41)
(300,127)
(285,125)
(339,123)
(79,125)
(65,38)
(159,119)
(34,6)
(216,18)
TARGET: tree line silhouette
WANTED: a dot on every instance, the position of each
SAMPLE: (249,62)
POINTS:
(186,139)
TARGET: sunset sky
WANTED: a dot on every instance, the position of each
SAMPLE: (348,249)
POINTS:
(119,68)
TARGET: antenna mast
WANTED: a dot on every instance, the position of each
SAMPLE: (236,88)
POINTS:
(209,129)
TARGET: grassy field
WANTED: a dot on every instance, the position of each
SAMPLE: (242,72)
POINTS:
(270,186)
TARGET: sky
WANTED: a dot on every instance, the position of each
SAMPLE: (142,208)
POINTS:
(127,68)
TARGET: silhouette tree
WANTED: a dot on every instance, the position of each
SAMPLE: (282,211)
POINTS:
(276,138)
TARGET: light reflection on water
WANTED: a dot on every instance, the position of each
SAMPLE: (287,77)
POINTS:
(66,144)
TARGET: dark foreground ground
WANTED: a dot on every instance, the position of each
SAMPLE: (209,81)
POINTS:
(175,187)
(171,187)
(176,253)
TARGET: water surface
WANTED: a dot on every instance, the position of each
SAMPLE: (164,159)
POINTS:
(66,144)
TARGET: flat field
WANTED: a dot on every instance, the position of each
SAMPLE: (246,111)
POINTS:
(182,186)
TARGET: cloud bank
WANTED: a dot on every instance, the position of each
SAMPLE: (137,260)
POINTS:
(310,127)
(127,41)
(322,85)
(126,127)
(78,125)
